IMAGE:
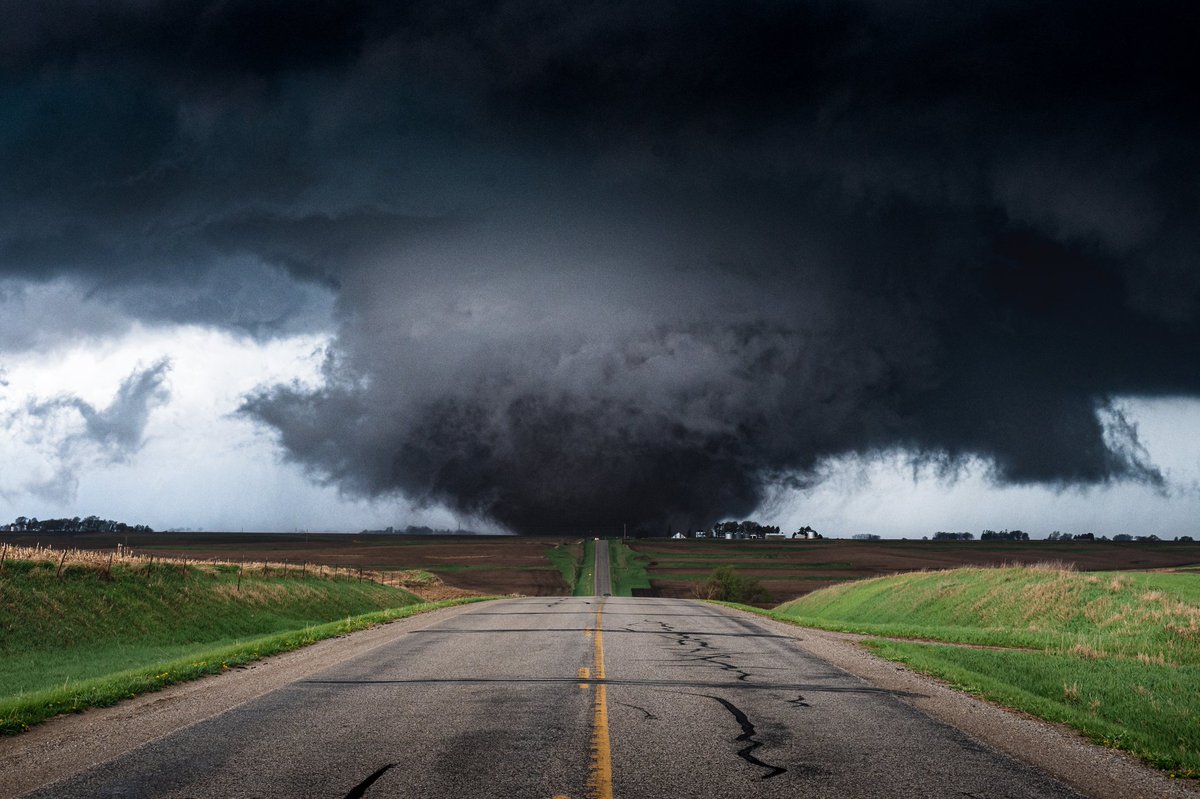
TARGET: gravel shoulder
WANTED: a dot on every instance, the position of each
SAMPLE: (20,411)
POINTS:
(71,743)
(1059,751)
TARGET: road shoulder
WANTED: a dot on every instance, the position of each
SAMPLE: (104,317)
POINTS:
(1057,750)
(67,744)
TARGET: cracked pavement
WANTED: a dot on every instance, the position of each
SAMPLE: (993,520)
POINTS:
(702,702)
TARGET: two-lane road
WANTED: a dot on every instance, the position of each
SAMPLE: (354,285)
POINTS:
(575,697)
(602,572)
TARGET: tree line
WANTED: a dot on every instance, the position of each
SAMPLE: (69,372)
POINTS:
(746,528)
(88,524)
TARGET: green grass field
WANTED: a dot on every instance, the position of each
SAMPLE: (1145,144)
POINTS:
(81,639)
(1114,654)
(628,569)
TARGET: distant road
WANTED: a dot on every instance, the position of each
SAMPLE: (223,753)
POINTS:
(570,697)
(603,576)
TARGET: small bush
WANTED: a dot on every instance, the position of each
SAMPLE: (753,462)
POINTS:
(726,585)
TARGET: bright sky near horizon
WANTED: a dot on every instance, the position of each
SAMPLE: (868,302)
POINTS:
(202,465)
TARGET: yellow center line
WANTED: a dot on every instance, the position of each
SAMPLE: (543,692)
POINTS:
(600,781)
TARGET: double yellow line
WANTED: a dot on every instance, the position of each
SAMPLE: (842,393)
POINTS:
(600,772)
(600,778)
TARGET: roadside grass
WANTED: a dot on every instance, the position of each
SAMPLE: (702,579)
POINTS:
(1146,709)
(1154,616)
(585,582)
(20,712)
(565,558)
(87,635)
(628,568)
(1116,655)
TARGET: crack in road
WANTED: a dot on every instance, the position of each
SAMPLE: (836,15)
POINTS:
(748,737)
(649,715)
(742,674)
(360,790)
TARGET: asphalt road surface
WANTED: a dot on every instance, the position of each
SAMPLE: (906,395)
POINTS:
(571,697)
(603,576)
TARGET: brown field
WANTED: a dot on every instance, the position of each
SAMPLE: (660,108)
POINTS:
(788,569)
(514,565)
(487,565)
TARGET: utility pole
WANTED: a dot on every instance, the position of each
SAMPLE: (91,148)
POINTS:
(624,531)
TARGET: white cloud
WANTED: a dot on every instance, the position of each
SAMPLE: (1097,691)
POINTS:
(887,497)
(196,463)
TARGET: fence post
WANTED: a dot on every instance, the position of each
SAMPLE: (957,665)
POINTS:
(108,569)
(360,574)
(3,555)
(239,579)
(61,561)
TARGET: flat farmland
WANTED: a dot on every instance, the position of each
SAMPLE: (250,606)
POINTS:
(476,564)
(789,569)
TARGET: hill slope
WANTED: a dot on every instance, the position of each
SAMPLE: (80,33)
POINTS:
(1116,655)
(63,637)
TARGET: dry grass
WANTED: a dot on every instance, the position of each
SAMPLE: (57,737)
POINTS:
(104,561)
(1085,651)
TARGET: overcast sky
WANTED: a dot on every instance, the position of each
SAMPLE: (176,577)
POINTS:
(871,266)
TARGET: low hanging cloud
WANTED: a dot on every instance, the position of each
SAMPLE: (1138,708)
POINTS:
(55,440)
(635,262)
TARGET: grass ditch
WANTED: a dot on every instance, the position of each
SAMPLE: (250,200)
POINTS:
(585,580)
(566,558)
(1116,655)
(628,569)
(81,636)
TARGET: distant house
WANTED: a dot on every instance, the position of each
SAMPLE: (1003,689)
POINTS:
(678,537)
(776,537)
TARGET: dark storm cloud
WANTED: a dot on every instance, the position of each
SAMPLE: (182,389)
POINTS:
(637,261)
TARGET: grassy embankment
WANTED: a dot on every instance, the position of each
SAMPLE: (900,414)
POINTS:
(566,558)
(585,581)
(1114,654)
(628,569)
(85,635)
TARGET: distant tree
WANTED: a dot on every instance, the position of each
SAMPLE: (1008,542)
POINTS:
(1003,535)
(1122,537)
(865,537)
(726,585)
(944,536)
(746,528)
(74,524)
